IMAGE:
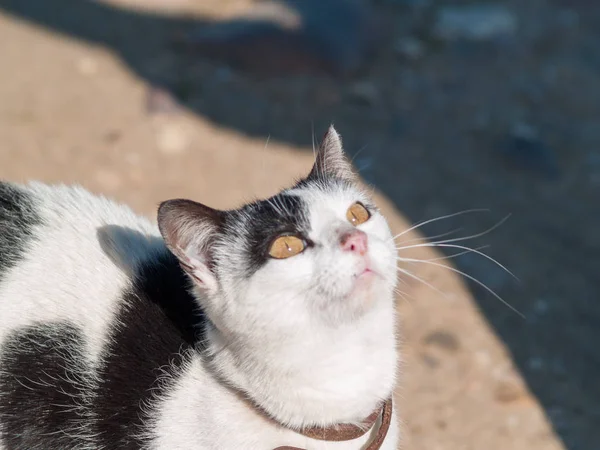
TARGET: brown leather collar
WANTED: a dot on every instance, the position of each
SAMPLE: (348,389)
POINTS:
(347,432)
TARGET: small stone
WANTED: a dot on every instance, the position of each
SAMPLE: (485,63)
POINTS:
(364,92)
(474,23)
(442,339)
(87,66)
(172,139)
(409,48)
(508,392)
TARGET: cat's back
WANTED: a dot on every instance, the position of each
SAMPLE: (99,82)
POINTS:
(94,318)
(66,256)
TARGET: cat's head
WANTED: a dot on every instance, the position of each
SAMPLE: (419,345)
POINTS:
(319,253)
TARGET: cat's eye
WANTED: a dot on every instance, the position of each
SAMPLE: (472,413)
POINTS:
(286,246)
(357,214)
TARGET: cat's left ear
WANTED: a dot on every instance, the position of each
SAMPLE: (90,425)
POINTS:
(330,159)
(189,230)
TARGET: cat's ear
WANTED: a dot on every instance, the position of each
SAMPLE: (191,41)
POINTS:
(331,160)
(189,230)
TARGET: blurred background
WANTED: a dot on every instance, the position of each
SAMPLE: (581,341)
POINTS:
(445,106)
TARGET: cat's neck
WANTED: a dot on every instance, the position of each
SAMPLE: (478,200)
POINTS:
(319,378)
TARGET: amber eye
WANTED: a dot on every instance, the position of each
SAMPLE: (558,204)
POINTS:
(286,246)
(357,214)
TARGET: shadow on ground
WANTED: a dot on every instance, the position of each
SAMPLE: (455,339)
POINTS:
(432,134)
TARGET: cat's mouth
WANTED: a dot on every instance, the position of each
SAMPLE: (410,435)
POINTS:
(366,273)
(364,279)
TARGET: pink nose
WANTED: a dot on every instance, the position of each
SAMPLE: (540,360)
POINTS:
(354,241)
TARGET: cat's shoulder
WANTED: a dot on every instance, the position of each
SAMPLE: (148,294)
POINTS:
(67,255)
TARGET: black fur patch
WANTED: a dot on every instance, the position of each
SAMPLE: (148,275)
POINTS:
(43,385)
(17,220)
(156,328)
(48,399)
(281,214)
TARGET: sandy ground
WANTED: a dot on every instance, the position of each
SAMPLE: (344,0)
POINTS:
(475,374)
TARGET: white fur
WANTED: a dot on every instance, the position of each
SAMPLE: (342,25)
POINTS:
(66,274)
(307,342)
(227,422)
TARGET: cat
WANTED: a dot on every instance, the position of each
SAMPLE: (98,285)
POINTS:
(272,325)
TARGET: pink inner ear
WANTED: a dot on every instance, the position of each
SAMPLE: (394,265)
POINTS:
(187,265)
(198,280)
(199,272)
(190,270)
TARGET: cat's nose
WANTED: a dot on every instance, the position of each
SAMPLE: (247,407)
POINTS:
(354,241)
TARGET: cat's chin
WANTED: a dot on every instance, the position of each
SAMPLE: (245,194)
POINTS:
(309,382)
(367,283)
(367,287)
(367,293)
(366,280)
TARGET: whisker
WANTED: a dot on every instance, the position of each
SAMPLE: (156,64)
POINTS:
(415,277)
(475,280)
(264,154)
(468,250)
(312,132)
(314,149)
(448,216)
(455,255)
(424,238)
(474,236)
(357,153)
(404,296)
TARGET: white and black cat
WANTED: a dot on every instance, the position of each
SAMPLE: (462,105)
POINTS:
(269,325)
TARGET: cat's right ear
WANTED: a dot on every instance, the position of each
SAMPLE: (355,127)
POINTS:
(330,159)
(189,229)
